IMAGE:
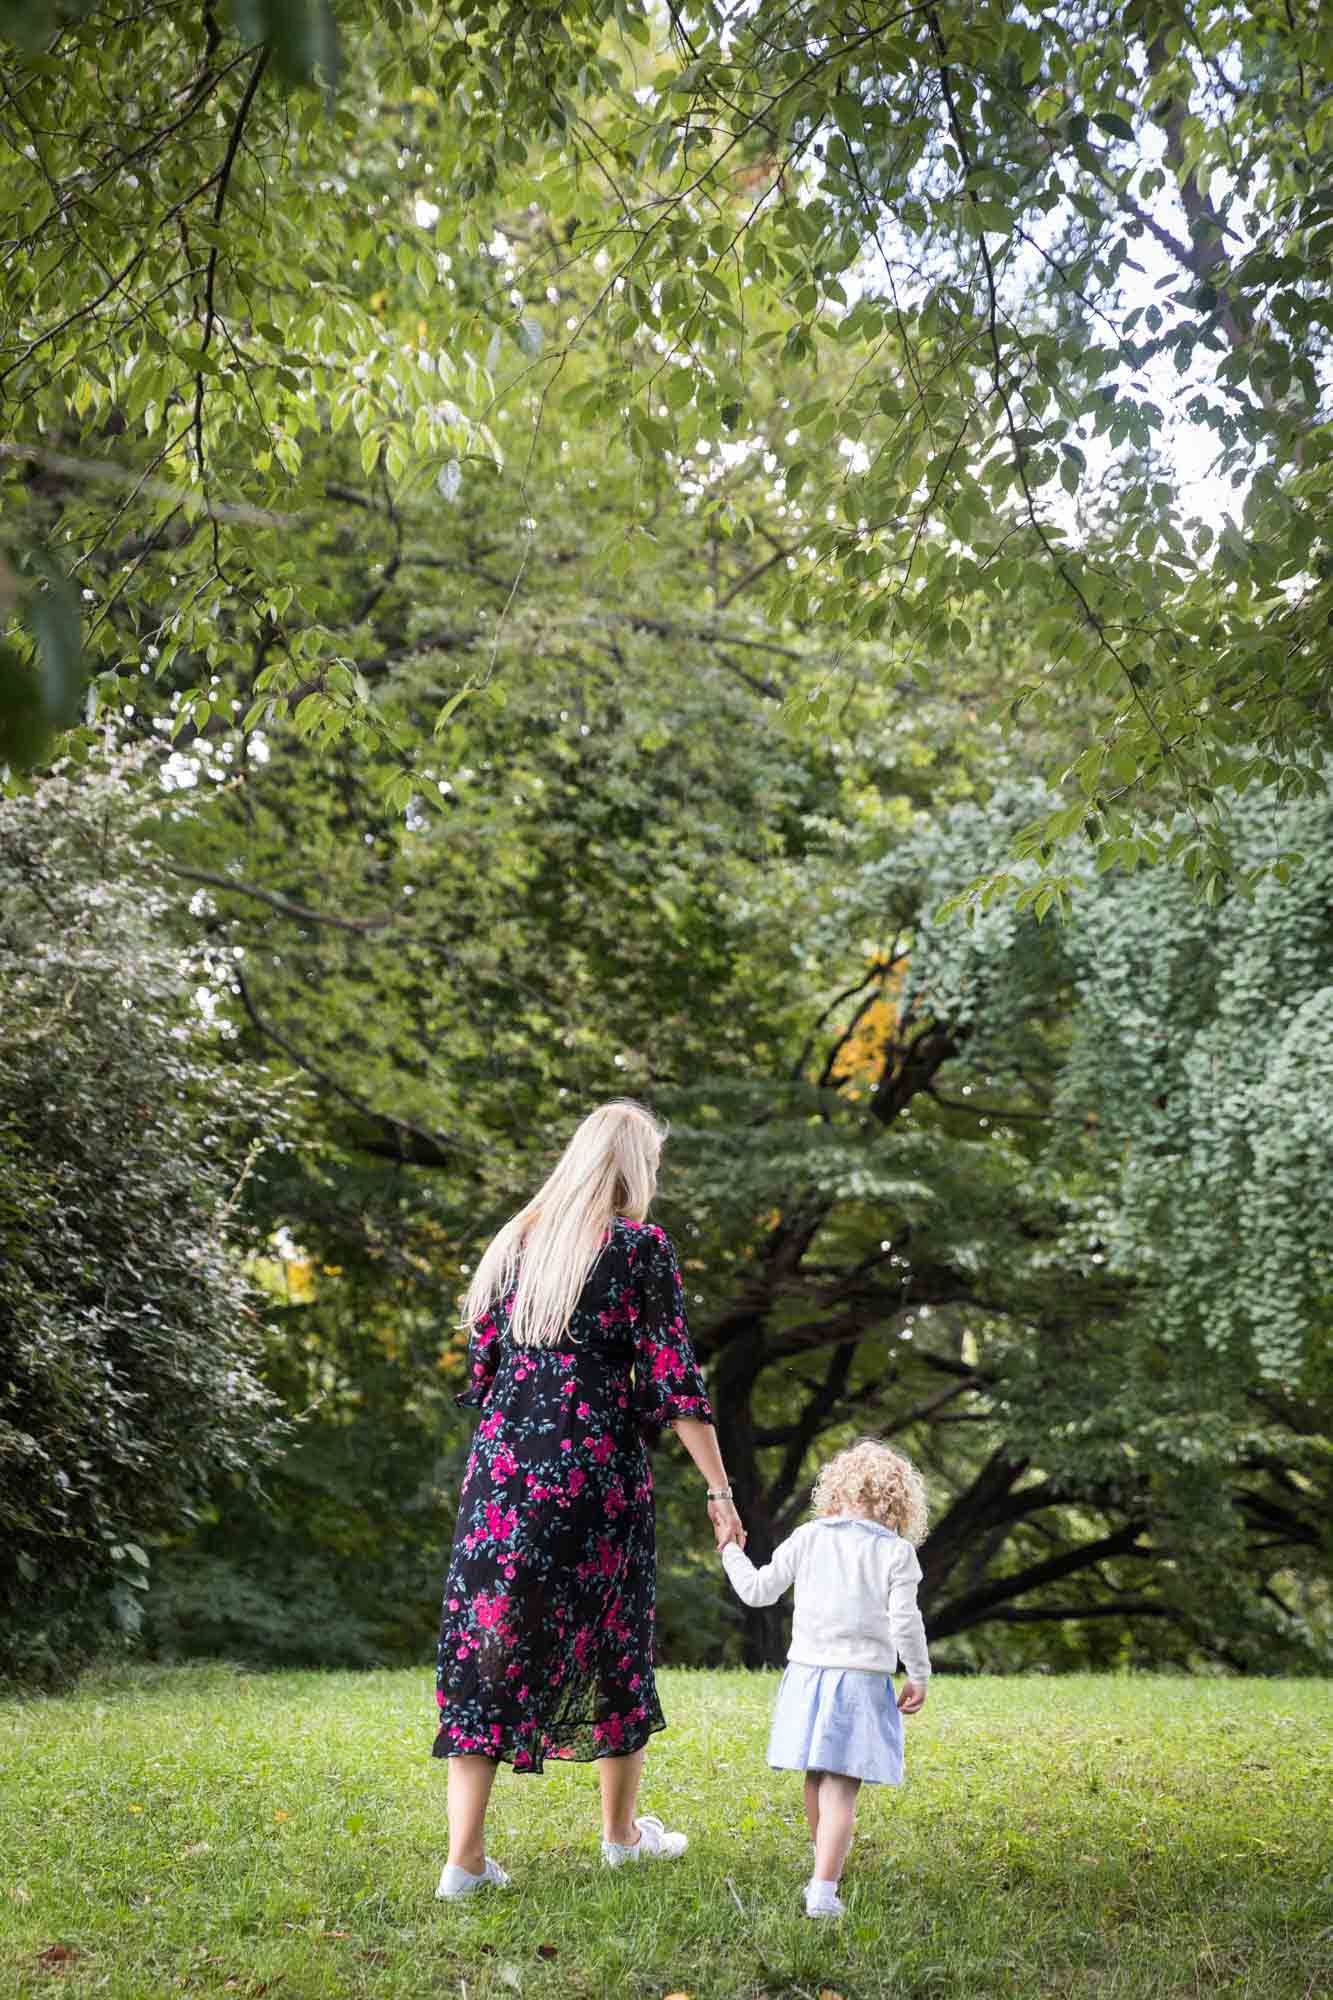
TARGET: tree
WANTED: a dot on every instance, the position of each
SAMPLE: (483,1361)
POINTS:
(953,201)
(918,1170)
(129,1338)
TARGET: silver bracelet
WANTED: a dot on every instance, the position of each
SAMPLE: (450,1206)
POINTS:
(719,1493)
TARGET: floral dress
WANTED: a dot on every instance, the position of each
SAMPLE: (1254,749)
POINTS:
(546,1632)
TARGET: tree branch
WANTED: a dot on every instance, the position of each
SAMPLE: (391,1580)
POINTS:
(298,912)
(412,1144)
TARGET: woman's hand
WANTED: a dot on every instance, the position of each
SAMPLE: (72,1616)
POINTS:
(911,1697)
(726,1523)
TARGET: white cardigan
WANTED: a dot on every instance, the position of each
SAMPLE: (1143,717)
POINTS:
(855,1594)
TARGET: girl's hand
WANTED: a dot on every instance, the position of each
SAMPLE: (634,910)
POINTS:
(726,1523)
(911,1697)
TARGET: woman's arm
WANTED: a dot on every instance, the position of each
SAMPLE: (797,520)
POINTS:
(700,1441)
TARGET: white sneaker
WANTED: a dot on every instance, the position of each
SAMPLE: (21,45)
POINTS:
(653,1844)
(822,1900)
(456,1882)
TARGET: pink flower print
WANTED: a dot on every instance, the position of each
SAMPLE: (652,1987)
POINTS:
(583,1644)
(636,1682)
(602,1448)
(565,1445)
(490,1425)
(461,1654)
(510,1572)
(566,1361)
(497,1733)
(584,1410)
(607,1561)
(453,1604)
(568,1388)
(615,1498)
(439,1697)
(578,1479)
(504,1465)
(500,1526)
(611,1732)
(490,1610)
(666,1362)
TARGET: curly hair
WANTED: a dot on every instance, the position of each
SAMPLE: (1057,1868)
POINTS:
(868,1478)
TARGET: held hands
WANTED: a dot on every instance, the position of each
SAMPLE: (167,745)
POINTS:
(726,1523)
(911,1697)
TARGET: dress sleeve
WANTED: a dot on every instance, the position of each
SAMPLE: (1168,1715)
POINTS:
(483,1358)
(667,1382)
(909,1634)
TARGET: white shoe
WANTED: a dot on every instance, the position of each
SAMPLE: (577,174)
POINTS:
(653,1844)
(823,1900)
(456,1882)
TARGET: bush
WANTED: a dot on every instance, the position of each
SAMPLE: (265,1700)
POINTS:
(128,1333)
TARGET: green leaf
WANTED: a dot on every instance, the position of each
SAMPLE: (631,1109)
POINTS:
(1112,123)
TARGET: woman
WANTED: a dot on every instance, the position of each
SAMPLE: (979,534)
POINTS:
(578,1352)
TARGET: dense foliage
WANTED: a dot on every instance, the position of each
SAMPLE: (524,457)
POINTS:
(1012,245)
(128,1336)
(593,531)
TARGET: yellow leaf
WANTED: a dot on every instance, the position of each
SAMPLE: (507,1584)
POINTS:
(279,1817)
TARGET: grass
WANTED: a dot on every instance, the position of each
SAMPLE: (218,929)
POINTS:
(204,1831)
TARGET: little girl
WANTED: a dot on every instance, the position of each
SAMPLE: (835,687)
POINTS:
(856,1574)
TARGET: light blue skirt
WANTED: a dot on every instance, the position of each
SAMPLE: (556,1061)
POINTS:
(837,1719)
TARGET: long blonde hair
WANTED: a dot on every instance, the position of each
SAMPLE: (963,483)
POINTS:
(545,1252)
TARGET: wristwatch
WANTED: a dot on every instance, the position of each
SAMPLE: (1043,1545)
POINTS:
(719,1493)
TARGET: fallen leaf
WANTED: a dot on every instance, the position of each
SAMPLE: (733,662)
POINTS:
(547,1951)
(511,1976)
(56,1954)
(675,1996)
(136,1809)
(279,1817)
(829,1993)
(196,1847)
(21,1893)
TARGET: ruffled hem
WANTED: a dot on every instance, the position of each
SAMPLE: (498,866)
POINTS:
(585,1744)
(653,1414)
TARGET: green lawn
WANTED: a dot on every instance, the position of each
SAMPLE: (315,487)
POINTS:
(204,1831)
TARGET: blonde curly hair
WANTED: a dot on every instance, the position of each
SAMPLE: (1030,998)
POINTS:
(868,1478)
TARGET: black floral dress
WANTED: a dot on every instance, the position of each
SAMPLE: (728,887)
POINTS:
(546,1632)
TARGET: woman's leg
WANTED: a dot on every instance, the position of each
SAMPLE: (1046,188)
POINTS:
(470,1781)
(812,1802)
(619,1777)
(837,1817)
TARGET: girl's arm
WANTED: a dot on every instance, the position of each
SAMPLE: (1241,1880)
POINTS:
(909,1633)
(762,1586)
(700,1441)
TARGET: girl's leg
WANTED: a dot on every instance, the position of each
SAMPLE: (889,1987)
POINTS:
(619,1777)
(470,1781)
(837,1817)
(812,1779)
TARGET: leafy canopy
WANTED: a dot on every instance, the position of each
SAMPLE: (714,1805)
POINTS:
(1011,245)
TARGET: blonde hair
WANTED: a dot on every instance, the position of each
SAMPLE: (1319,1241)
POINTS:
(868,1478)
(545,1252)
